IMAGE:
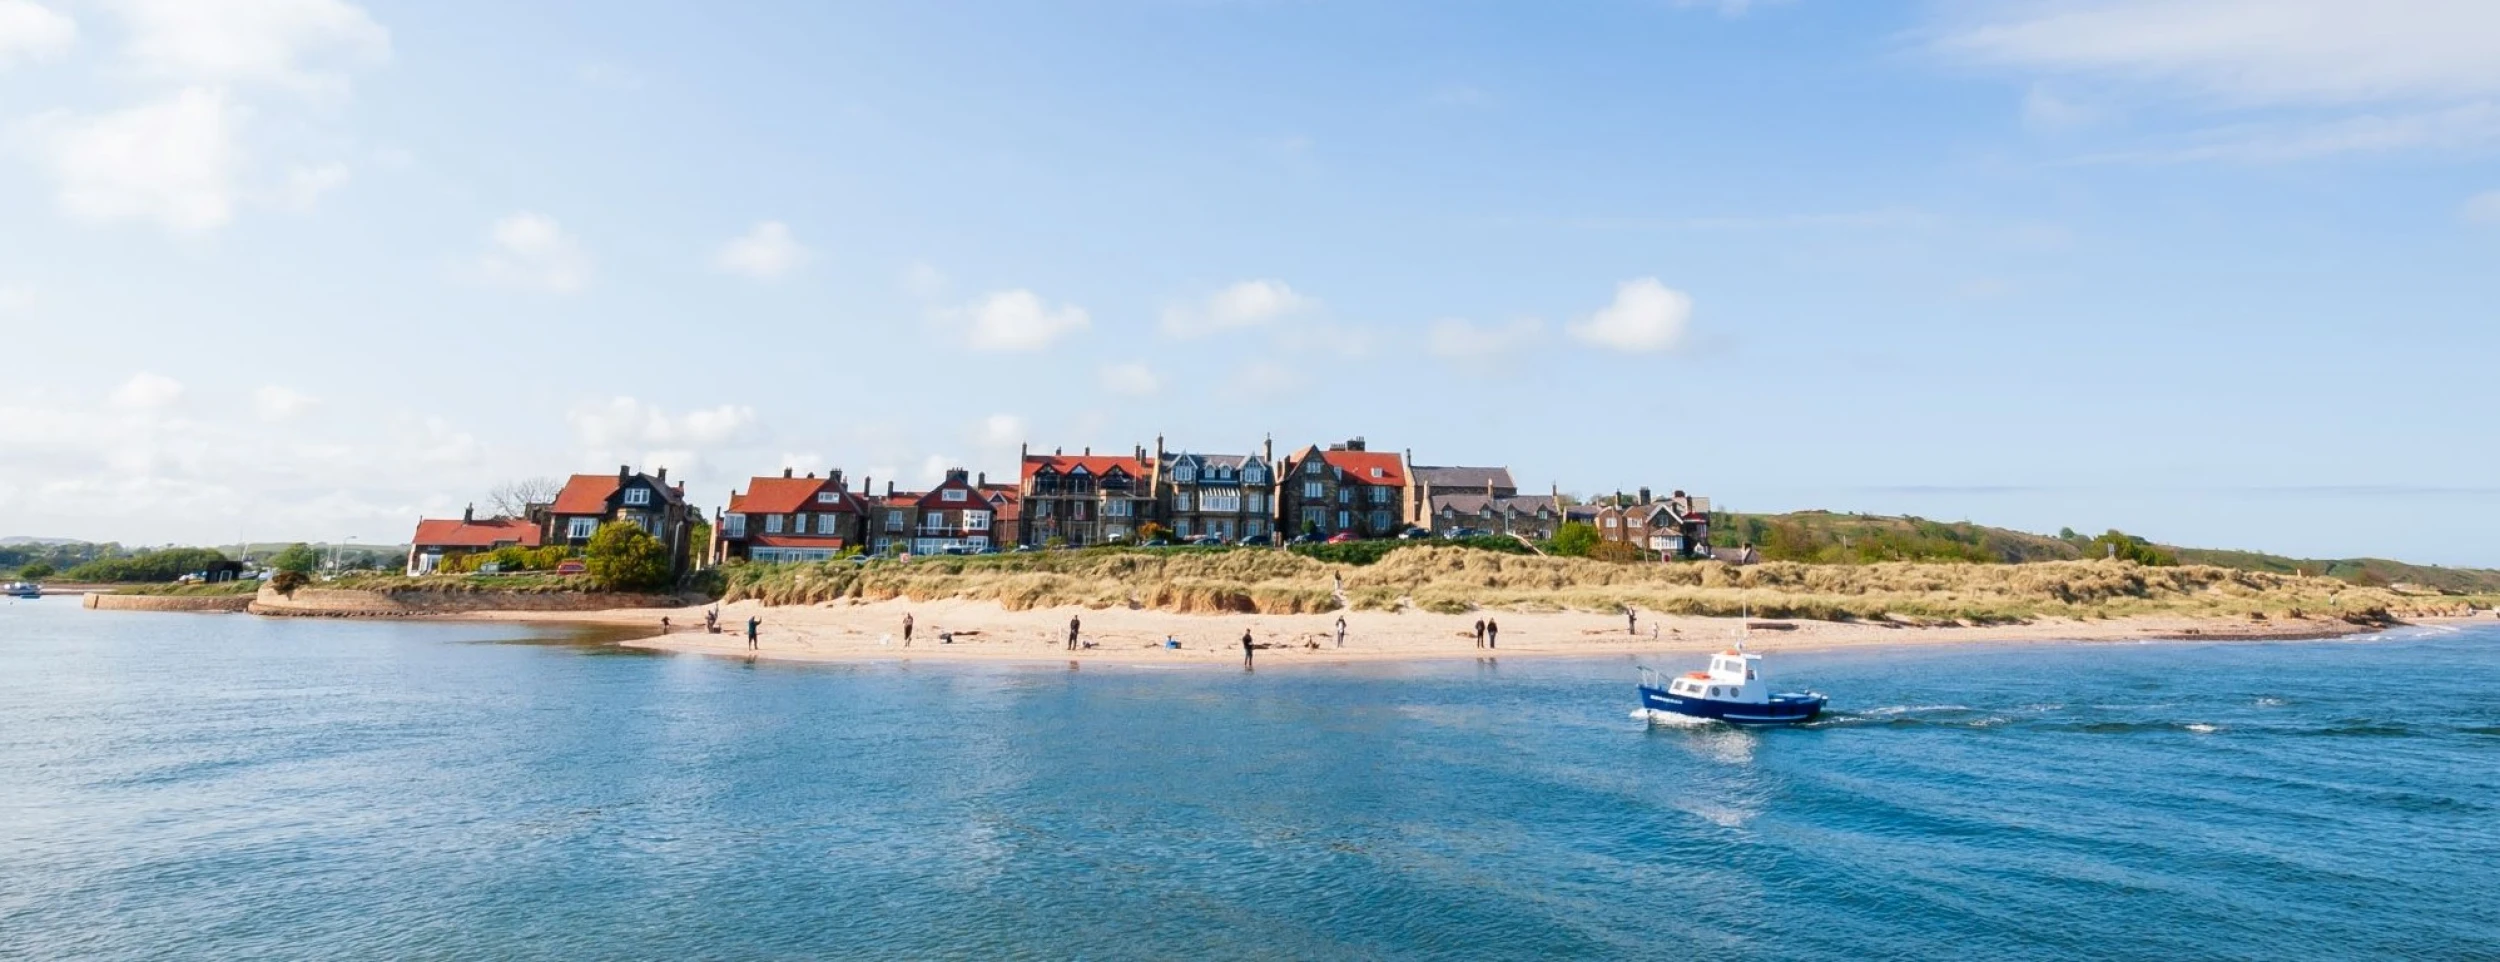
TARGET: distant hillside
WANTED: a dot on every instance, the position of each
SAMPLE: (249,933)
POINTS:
(1829,537)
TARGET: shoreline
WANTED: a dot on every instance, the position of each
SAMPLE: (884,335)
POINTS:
(986,633)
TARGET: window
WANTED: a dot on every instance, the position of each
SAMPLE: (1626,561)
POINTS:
(1076,511)
(1253,475)
(976,521)
(1380,521)
(951,494)
(1112,509)
(894,520)
(1376,473)
(826,497)
(1226,501)
(1345,495)
(1180,501)
(1380,496)
(1041,509)
(1610,522)
(1344,520)
(1310,490)
(1258,502)
(1184,474)
(581,527)
(734,526)
(1714,693)
(637,495)
(772,524)
(1181,527)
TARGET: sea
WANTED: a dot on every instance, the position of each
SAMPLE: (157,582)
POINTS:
(228,787)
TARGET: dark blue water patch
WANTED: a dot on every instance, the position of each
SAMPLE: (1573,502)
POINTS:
(242,788)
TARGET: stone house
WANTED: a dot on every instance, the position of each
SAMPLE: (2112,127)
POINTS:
(1084,499)
(1345,488)
(1228,496)
(647,501)
(790,519)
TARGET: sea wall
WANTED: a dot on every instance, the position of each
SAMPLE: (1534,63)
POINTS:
(311,602)
(111,602)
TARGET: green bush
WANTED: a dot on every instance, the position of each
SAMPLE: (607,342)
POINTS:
(299,558)
(623,557)
(36,571)
(148,566)
(1575,539)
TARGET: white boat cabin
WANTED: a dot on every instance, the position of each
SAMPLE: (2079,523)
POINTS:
(1733,676)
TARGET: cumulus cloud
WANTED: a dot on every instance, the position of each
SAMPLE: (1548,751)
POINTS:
(620,422)
(1645,316)
(276,403)
(532,251)
(33,33)
(1018,320)
(306,46)
(1246,304)
(765,252)
(1133,379)
(2483,209)
(145,391)
(933,468)
(172,162)
(1460,339)
(1002,429)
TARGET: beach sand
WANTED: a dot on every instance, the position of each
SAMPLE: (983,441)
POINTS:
(985,632)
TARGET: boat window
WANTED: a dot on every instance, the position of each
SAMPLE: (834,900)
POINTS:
(1714,693)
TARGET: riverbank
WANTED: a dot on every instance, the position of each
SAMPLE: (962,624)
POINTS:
(985,631)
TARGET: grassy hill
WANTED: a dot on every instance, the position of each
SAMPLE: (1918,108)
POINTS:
(1833,538)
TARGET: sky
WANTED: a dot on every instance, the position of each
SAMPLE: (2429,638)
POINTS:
(2215,272)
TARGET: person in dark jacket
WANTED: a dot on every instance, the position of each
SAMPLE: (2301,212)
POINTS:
(1073,625)
(1492,634)
(906,629)
(1246,649)
(753,623)
(1479,632)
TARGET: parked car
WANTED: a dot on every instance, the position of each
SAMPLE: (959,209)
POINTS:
(1414,534)
(571,568)
(1207,541)
(1256,541)
(1304,538)
(1342,537)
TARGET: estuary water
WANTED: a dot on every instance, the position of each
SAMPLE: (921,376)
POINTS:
(227,787)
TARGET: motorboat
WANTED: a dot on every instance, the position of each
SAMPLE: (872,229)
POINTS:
(1732,690)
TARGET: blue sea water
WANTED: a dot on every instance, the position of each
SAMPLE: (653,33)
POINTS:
(225,787)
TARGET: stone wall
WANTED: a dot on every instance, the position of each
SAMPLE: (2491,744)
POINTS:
(110,602)
(344,603)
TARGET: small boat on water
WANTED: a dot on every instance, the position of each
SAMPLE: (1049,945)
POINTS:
(22,589)
(1732,690)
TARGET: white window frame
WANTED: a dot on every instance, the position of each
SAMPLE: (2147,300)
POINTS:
(734,526)
(826,497)
(1180,501)
(976,521)
(581,528)
(637,495)
(1311,491)
(772,524)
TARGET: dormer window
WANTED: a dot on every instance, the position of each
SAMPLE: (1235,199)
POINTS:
(826,497)
(1253,475)
(637,495)
(952,494)
(1377,473)
(1184,474)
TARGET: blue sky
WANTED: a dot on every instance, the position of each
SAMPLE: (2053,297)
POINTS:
(2219,272)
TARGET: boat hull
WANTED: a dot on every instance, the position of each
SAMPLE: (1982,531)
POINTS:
(1780,710)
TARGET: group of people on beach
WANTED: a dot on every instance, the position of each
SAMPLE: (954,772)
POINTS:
(1488,633)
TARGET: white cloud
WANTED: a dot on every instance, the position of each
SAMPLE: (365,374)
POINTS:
(623,422)
(767,251)
(1002,429)
(172,162)
(1019,320)
(1246,304)
(146,391)
(33,33)
(1133,379)
(306,185)
(1266,380)
(276,403)
(1460,339)
(2483,208)
(16,299)
(1645,316)
(305,46)
(933,468)
(532,251)
(2463,128)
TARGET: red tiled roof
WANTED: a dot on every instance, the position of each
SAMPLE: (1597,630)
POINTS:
(1359,465)
(1094,464)
(793,541)
(785,496)
(903,499)
(455,533)
(585,494)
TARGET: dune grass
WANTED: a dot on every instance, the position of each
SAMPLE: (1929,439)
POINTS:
(1449,579)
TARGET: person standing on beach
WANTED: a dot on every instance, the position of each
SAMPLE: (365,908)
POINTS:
(1246,649)
(906,629)
(1479,632)
(1631,620)
(664,628)
(1340,631)
(753,623)
(1073,625)
(1492,634)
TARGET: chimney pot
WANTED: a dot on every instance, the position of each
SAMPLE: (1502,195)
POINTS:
(468,513)
(788,472)
(1644,495)
(982,479)
(624,471)
(811,475)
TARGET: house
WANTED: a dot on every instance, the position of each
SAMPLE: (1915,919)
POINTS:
(1426,481)
(1227,496)
(645,500)
(954,515)
(1006,507)
(437,540)
(891,518)
(790,519)
(1671,529)
(1084,499)
(1531,516)
(1346,488)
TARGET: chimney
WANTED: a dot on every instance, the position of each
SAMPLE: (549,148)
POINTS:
(663,476)
(811,475)
(788,472)
(835,477)
(624,471)
(1023,450)
(1058,452)
(889,489)
(1089,450)
(468,514)
(1644,495)
(983,480)
(1355,445)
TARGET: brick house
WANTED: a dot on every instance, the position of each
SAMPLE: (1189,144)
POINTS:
(1346,488)
(953,515)
(790,519)
(1084,499)
(645,500)
(1531,516)
(1228,496)
(437,540)
(1675,528)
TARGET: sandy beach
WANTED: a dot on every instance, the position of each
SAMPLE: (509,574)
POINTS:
(983,631)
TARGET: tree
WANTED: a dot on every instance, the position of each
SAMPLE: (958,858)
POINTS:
(298,557)
(1151,532)
(512,499)
(36,570)
(1575,539)
(623,557)
(2126,547)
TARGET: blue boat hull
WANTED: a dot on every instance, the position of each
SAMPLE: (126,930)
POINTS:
(1781,710)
